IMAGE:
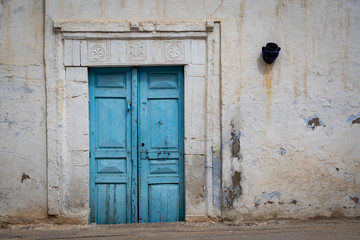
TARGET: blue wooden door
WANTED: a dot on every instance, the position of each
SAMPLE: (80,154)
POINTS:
(161,135)
(136,145)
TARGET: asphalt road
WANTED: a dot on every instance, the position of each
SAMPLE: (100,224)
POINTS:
(269,230)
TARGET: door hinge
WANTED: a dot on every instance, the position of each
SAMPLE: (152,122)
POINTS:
(89,154)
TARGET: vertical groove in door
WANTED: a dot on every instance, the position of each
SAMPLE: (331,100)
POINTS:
(134,141)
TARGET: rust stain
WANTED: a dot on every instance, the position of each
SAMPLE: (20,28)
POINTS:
(240,20)
(71,7)
(344,65)
(141,4)
(102,8)
(267,83)
(8,45)
(267,155)
(277,7)
(293,201)
(123,3)
(278,69)
(63,95)
(157,8)
(303,3)
(305,78)
(269,202)
(347,18)
(313,45)
(346,49)
(267,80)
(239,31)
(164,8)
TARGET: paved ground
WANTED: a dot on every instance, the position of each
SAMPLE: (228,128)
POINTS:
(270,230)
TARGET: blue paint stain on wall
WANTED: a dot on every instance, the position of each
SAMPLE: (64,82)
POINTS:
(239,135)
(271,195)
(216,176)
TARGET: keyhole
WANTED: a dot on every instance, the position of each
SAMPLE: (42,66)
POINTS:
(142,144)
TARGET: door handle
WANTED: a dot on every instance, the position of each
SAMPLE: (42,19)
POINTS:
(129,105)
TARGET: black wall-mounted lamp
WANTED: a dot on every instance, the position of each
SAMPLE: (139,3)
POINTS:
(270,52)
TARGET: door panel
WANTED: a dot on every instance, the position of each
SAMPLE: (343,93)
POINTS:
(111,203)
(111,122)
(136,144)
(164,202)
(110,145)
(163,123)
(161,134)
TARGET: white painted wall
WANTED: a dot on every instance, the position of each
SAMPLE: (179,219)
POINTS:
(265,107)
(22,112)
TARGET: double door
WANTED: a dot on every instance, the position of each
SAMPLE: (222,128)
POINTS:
(136,144)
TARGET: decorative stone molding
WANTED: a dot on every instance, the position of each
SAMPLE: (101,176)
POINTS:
(144,26)
(136,50)
(98,51)
(77,45)
(174,50)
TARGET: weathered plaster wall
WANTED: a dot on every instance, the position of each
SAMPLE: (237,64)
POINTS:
(273,163)
(289,130)
(22,111)
(281,166)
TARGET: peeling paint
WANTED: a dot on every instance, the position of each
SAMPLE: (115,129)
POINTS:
(271,195)
(235,143)
(314,122)
(233,192)
(282,151)
(355,198)
(354,119)
(216,176)
(24,177)
(257,202)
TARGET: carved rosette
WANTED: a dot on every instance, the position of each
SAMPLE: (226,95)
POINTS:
(136,51)
(174,50)
(98,51)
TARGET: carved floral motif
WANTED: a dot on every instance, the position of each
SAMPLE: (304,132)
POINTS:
(97,53)
(174,51)
(136,50)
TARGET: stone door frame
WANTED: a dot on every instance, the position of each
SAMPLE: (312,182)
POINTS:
(72,47)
